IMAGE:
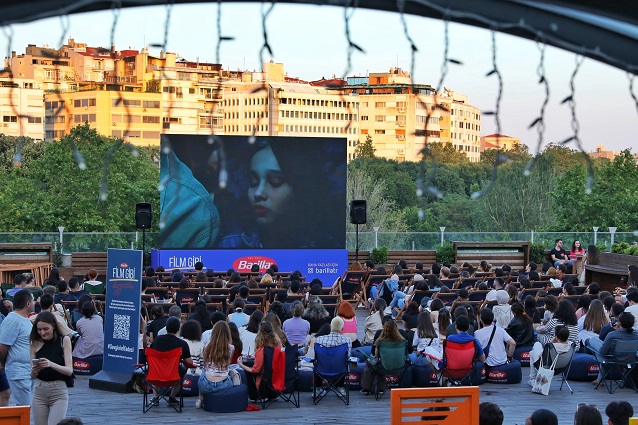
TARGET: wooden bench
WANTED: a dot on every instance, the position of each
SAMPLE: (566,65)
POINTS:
(610,269)
(411,257)
(516,254)
(82,262)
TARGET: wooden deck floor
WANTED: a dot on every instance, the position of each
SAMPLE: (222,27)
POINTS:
(516,401)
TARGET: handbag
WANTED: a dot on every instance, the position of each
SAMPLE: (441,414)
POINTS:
(544,378)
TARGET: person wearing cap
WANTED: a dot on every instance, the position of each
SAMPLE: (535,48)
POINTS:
(335,338)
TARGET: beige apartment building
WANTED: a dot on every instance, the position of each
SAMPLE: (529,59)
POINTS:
(499,141)
(21,108)
(401,117)
(138,96)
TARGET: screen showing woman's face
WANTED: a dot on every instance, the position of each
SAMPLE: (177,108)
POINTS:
(269,193)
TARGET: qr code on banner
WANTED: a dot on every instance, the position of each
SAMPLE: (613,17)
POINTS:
(122,327)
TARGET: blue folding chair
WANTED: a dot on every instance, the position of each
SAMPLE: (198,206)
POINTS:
(331,368)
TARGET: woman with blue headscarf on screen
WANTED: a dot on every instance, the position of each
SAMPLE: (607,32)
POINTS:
(293,197)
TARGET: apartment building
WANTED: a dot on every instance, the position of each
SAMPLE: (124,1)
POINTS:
(21,108)
(265,104)
(401,117)
(499,141)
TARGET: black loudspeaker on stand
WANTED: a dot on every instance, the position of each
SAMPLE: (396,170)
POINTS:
(143,220)
(358,209)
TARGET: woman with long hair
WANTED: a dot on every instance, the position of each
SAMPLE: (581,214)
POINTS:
(266,337)
(551,307)
(54,366)
(532,311)
(239,346)
(201,315)
(373,322)
(564,316)
(316,314)
(390,332)
(428,349)
(591,257)
(248,333)
(274,320)
(54,278)
(217,356)
(521,328)
(576,250)
(633,276)
(346,312)
(410,316)
(91,330)
(593,321)
(444,321)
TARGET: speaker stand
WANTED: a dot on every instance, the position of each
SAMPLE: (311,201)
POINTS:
(143,247)
(356,252)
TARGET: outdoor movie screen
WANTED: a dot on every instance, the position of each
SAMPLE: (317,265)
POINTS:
(224,192)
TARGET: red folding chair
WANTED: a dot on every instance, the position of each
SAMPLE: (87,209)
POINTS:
(458,362)
(162,375)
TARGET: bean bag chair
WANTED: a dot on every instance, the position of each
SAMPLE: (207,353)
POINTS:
(479,375)
(392,380)
(354,377)
(360,353)
(234,399)
(88,366)
(423,376)
(522,354)
(584,368)
(509,373)
(190,387)
(305,380)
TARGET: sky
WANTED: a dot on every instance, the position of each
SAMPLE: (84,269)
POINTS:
(310,41)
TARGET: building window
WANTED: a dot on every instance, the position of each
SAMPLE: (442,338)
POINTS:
(379,118)
(379,131)
(151,104)
(149,119)
(379,104)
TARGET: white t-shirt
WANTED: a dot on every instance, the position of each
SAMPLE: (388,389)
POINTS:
(493,294)
(633,309)
(498,355)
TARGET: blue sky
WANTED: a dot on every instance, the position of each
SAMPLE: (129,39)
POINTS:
(310,41)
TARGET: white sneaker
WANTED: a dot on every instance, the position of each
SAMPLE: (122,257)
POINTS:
(531,382)
(198,403)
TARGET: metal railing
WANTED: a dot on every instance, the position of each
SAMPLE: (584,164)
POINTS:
(395,241)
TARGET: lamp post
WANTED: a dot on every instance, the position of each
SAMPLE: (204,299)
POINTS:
(612,230)
(595,235)
(61,230)
(442,229)
(376,236)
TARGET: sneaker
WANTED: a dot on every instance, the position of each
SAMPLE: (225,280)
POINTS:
(198,404)
(173,400)
(595,383)
(364,391)
(531,382)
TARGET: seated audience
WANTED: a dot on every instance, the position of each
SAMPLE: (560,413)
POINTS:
(91,330)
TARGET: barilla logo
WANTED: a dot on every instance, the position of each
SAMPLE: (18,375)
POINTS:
(593,368)
(497,375)
(187,382)
(525,355)
(391,379)
(123,266)
(483,372)
(433,377)
(79,364)
(352,377)
(244,264)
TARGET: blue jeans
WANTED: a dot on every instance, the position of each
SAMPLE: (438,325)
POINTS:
(207,387)
(398,300)
(559,262)
(595,344)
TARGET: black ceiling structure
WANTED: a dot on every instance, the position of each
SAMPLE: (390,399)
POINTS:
(606,31)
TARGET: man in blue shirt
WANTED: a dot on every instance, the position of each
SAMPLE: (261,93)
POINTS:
(461,337)
(15,357)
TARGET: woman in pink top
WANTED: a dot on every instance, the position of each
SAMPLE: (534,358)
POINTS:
(346,312)
(576,250)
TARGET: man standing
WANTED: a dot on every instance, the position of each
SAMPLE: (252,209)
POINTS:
(15,359)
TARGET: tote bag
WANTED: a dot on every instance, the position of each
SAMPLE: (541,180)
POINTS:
(544,378)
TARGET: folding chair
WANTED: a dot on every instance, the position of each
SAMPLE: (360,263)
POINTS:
(280,376)
(351,286)
(162,375)
(95,289)
(331,368)
(617,366)
(563,364)
(458,362)
(393,361)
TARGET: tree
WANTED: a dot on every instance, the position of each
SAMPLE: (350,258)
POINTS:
(365,149)
(444,153)
(52,190)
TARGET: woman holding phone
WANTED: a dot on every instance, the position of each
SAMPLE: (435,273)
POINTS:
(51,366)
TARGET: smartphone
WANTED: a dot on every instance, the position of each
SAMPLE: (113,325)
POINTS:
(35,361)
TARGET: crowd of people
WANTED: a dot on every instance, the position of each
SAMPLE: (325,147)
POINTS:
(37,350)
